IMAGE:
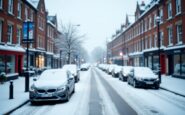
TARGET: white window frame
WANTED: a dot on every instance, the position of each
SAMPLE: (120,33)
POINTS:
(10,33)
(146,42)
(19,9)
(161,38)
(169,6)
(1,4)
(18,38)
(26,13)
(170,35)
(179,34)
(178,6)
(155,40)
(161,15)
(10,6)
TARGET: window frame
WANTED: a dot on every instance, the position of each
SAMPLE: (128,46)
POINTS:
(178,34)
(178,6)
(10,34)
(10,6)
(170,35)
(169,9)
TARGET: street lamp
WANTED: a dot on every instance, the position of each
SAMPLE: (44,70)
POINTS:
(121,54)
(158,19)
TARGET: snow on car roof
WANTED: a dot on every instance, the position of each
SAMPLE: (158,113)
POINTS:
(143,71)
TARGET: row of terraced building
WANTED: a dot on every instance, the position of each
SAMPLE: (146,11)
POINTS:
(42,51)
(136,43)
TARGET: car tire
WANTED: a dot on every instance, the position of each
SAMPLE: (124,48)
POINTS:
(73,90)
(67,96)
(33,102)
(156,86)
(134,84)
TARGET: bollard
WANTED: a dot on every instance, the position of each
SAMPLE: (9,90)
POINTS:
(11,90)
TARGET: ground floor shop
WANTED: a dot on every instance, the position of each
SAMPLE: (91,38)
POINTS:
(11,59)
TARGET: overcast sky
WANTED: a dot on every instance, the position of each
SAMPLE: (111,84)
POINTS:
(98,19)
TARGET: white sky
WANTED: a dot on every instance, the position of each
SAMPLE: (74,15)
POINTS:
(98,19)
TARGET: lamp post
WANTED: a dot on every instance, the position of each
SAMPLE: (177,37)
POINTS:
(158,19)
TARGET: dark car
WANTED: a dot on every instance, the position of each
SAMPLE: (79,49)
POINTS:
(52,85)
(143,77)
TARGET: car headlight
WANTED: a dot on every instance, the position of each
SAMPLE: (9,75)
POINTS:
(33,88)
(157,79)
(124,74)
(62,88)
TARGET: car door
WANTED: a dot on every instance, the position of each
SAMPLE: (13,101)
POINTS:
(70,81)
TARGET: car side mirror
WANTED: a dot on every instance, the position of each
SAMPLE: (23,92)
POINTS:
(131,73)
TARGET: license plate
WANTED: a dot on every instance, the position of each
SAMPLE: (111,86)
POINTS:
(46,95)
(149,83)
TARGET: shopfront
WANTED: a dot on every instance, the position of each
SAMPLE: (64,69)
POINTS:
(176,62)
(151,60)
(11,60)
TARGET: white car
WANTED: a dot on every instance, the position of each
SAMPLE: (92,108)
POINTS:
(143,76)
(74,70)
(116,71)
(125,70)
(52,85)
(110,68)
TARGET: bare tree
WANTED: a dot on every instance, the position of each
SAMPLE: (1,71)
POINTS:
(98,54)
(69,41)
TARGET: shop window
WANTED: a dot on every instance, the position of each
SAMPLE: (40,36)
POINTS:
(150,62)
(1,30)
(156,63)
(10,62)
(176,64)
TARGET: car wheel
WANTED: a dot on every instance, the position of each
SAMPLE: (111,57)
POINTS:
(134,84)
(33,102)
(156,86)
(67,95)
(73,90)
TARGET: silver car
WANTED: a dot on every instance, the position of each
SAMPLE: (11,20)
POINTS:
(53,84)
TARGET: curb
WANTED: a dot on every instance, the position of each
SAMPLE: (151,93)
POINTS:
(19,106)
(172,92)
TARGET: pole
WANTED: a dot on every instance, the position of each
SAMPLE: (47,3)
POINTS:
(27,60)
(159,44)
(60,59)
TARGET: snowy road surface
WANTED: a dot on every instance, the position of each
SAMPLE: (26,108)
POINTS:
(100,94)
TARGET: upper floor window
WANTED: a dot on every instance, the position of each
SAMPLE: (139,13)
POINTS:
(26,13)
(19,10)
(10,6)
(170,36)
(178,6)
(18,36)
(169,10)
(161,15)
(1,30)
(10,33)
(161,38)
(31,15)
(150,22)
(179,33)
(155,15)
(146,43)
(1,4)
(155,40)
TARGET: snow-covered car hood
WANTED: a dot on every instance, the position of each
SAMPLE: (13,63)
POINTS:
(117,69)
(49,84)
(126,70)
(145,73)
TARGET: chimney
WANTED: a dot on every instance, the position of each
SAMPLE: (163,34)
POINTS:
(142,3)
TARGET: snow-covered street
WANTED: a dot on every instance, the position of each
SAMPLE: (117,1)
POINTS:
(98,93)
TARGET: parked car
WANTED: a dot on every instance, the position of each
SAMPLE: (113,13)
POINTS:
(125,70)
(116,71)
(53,84)
(84,67)
(143,76)
(74,70)
(110,68)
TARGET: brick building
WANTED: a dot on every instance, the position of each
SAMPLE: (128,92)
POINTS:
(13,13)
(138,41)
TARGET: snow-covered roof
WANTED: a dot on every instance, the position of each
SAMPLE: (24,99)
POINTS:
(49,53)
(15,48)
(49,22)
(34,3)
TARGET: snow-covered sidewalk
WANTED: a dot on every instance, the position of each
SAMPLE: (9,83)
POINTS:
(173,84)
(20,96)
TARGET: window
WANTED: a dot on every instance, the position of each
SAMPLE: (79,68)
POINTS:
(170,37)
(18,36)
(161,15)
(150,42)
(179,33)
(10,6)
(155,15)
(31,18)
(150,22)
(178,6)
(146,43)
(155,40)
(169,10)
(1,4)
(10,33)
(161,38)
(19,10)
(26,13)
(1,30)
